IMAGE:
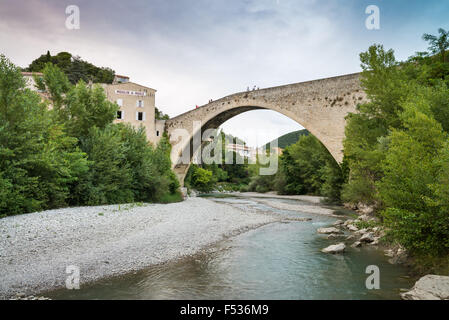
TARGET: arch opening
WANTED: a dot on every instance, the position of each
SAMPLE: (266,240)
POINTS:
(216,122)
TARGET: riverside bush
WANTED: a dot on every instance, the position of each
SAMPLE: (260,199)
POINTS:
(396,148)
(73,154)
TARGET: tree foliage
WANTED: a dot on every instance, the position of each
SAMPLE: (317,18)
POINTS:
(73,67)
(72,153)
(396,145)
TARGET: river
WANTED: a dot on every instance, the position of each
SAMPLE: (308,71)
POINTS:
(277,261)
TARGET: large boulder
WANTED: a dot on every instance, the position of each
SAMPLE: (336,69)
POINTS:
(365,209)
(338,223)
(350,206)
(365,217)
(356,244)
(335,236)
(328,230)
(335,248)
(361,232)
(352,227)
(399,255)
(430,287)
(367,237)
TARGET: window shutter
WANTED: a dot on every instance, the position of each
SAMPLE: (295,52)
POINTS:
(142,104)
(120,102)
(123,114)
(137,103)
(137,115)
(144,117)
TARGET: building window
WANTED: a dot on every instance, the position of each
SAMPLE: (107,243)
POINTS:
(157,133)
(140,116)
(120,115)
(120,102)
(139,103)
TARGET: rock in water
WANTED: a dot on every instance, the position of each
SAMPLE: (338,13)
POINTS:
(334,236)
(336,248)
(430,287)
(352,227)
(367,237)
(338,222)
(356,244)
(328,230)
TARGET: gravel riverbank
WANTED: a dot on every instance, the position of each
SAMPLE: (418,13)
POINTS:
(103,241)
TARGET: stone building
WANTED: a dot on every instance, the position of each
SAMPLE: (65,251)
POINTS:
(242,150)
(136,103)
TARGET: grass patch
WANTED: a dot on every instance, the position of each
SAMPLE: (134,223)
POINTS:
(366,224)
(171,198)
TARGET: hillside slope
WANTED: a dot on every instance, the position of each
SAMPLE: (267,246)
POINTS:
(289,138)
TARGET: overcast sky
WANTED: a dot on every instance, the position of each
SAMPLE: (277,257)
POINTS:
(195,50)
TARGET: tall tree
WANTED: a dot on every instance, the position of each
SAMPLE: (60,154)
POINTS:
(438,44)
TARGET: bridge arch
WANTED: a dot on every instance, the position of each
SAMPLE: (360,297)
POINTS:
(320,106)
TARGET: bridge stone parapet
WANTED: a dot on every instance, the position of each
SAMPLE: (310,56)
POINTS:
(320,106)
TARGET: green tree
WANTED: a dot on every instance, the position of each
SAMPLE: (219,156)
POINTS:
(386,86)
(411,176)
(438,44)
(162,162)
(74,68)
(86,108)
(202,179)
(159,115)
(109,179)
(38,161)
(56,83)
(38,64)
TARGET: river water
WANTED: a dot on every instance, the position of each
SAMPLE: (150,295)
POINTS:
(277,261)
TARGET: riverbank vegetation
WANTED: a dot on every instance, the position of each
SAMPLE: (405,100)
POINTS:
(232,174)
(397,146)
(305,167)
(66,151)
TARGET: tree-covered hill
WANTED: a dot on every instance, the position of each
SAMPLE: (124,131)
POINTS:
(289,138)
(74,68)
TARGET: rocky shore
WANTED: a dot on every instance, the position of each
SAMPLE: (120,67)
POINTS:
(429,287)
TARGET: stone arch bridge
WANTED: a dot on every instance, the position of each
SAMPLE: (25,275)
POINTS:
(320,106)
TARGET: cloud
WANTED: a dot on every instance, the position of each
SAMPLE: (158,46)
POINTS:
(193,51)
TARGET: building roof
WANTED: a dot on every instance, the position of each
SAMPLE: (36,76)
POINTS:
(119,76)
(129,82)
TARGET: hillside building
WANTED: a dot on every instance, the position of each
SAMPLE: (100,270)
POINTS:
(136,105)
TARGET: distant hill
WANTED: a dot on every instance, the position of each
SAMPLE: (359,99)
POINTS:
(289,138)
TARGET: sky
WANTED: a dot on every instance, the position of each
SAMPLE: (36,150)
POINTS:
(191,51)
